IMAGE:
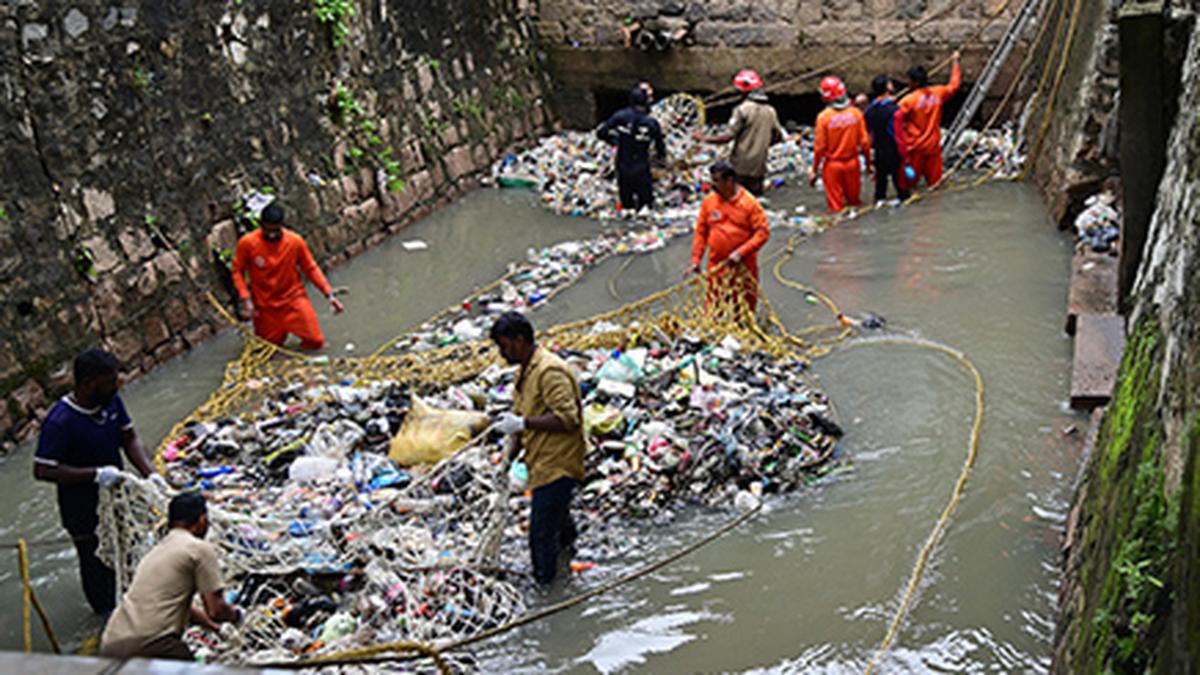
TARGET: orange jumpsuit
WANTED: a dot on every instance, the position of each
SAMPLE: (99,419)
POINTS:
(727,226)
(841,135)
(920,116)
(280,303)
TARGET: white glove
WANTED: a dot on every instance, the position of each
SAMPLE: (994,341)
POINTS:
(159,482)
(108,475)
(510,423)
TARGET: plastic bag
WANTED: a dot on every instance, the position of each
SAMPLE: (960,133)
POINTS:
(621,368)
(430,435)
(601,420)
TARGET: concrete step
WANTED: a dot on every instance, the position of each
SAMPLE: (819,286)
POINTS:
(1099,344)
(1093,287)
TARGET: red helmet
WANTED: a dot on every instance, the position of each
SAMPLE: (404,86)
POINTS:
(747,81)
(832,89)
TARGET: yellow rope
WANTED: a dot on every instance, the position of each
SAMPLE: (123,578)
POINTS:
(939,527)
(29,599)
(1058,78)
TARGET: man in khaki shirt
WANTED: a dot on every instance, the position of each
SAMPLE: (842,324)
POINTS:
(753,128)
(547,421)
(151,617)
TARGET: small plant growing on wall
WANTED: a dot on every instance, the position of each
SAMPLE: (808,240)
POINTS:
(365,146)
(335,15)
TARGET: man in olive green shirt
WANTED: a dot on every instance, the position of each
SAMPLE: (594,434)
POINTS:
(547,421)
(753,128)
(151,617)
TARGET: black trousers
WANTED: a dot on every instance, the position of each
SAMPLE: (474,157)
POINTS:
(888,168)
(99,581)
(636,188)
(551,529)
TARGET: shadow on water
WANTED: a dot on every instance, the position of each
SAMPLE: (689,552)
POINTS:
(812,583)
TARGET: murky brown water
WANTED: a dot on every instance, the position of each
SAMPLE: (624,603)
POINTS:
(811,584)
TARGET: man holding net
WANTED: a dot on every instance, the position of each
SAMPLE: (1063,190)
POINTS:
(733,227)
(547,422)
(274,257)
(157,608)
(80,449)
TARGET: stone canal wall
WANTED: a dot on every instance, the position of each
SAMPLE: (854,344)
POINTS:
(1130,599)
(132,131)
(585,41)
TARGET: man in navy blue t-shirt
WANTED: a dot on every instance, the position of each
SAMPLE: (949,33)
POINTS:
(80,449)
(886,139)
(634,131)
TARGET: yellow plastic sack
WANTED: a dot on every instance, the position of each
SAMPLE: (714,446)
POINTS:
(430,434)
(601,420)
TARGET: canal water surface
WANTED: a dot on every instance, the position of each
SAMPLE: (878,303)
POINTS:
(810,585)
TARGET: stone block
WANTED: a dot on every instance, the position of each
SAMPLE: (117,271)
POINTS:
(9,365)
(106,259)
(424,77)
(135,243)
(61,378)
(169,268)
(28,397)
(196,335)
(98,204)
(147,281)
(154,331)
(75,23)
(459,163)
(367,183)
(170,350)
(350,190)
(397,204)
(411,157)
(107,300)
(176,315)
(126,345)
(223,236)
(360,214)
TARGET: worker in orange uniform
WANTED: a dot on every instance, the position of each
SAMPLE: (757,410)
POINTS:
(841,136)
(733,227)
(920,116)
(274,257)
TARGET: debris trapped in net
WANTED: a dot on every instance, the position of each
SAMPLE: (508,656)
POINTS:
(328,544)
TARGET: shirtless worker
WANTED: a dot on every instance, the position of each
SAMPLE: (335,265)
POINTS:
(920,116)
(841,136)
(274,257)
(731,226)
(547,423)
(753,128)
(158,606)
(79,448)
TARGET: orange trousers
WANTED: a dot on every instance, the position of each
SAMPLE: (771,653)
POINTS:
(724,284)
(843,181)
(297,318)
(927,164)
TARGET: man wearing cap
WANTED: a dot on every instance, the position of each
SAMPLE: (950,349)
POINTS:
(274,257)
(732,227)
(79,448)
(633,130)
(841,135)
(158,606)
(920,116)
(753,128)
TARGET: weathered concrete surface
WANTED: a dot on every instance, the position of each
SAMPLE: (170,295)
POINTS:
(583,40)
(131,131)
(1130,598)
(1099,342)
(1093,287)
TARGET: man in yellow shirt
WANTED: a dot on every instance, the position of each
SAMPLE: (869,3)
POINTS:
(547,421)
(151,617)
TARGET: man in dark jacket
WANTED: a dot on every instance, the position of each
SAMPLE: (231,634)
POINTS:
(881,124)
(632,130)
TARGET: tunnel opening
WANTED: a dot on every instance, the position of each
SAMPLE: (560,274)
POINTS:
(793,109)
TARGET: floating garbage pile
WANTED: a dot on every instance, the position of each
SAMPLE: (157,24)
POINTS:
(1098,226)
(997,149)
(353,513)
(575,171)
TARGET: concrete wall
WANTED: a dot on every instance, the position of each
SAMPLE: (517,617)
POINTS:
(1130,599)
(128,125)
(584,43)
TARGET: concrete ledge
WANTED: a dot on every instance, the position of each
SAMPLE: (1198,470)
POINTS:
(1093,287)
(1099,345)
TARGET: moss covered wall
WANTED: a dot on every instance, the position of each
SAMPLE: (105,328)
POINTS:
(1131,593)
(132,131)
